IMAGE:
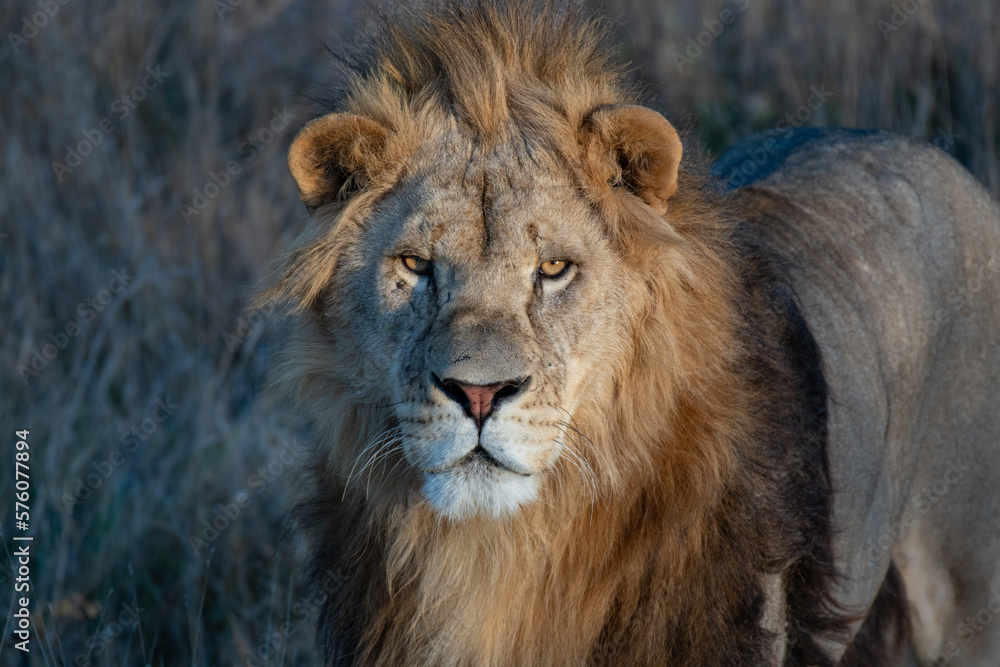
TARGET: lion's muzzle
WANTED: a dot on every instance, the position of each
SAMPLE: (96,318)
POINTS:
(479,401)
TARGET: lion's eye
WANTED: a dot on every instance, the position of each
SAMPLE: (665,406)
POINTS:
(553,268)
(417,264)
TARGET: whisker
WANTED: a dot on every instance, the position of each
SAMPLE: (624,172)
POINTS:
(364,450)
(594,448)
(380,455)
(385,444)
(372,441)
(377,443)
(572,425)
(586,470)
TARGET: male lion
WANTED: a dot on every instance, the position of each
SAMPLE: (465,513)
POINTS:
(575,404)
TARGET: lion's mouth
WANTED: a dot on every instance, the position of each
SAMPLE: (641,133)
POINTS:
(478,459)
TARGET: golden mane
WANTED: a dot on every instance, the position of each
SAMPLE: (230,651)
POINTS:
(618,567)
(490,66)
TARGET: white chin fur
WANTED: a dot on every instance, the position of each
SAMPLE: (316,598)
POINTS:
(476,489)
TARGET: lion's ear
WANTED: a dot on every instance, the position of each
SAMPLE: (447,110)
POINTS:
(333,155)
(636,148)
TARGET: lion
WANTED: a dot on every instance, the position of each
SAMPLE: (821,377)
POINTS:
(576,400)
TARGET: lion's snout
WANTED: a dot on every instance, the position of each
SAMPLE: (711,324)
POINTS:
(477,400)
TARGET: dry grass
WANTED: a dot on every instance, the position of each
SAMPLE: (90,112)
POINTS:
(172,332)
(923,67)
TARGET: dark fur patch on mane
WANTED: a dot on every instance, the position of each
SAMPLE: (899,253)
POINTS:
(788,358)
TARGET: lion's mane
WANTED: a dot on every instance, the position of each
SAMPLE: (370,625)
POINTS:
(708,452)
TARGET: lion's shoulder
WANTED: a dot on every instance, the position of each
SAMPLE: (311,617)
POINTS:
(891,251)
(758,156)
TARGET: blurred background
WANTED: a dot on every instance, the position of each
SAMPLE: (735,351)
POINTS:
(142,147)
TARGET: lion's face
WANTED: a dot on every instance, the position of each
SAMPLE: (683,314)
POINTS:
(478,291)
(491,303)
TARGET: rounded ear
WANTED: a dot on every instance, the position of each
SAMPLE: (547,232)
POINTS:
(637,148)
(332,156)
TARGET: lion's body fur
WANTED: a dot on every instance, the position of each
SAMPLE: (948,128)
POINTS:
(894,254)
(695,528)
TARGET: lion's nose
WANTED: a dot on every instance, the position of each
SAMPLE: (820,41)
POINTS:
(479,400)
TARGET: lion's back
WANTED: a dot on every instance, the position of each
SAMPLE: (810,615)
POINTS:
(894,253)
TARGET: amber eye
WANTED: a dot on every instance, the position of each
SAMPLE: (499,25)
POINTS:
(417,264)
(553,268)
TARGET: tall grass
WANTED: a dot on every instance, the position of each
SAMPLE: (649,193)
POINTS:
(928,68)
(119,486)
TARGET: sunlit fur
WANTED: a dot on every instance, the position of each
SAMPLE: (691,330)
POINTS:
(644,539)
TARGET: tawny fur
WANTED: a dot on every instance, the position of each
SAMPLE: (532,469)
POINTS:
(702,463)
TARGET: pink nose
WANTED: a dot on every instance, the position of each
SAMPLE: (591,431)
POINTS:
(479,400)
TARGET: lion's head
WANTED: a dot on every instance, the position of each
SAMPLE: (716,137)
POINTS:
(485,290)
(482,260)
(513,302)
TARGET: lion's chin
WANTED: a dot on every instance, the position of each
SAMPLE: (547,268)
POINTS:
(478,488)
